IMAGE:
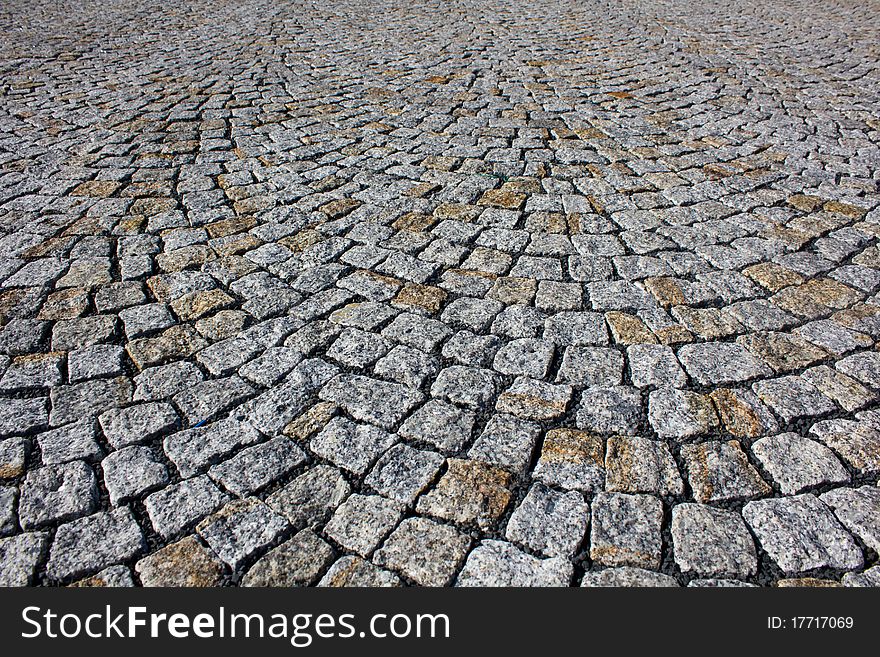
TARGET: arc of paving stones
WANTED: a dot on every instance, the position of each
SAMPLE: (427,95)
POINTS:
(382,294)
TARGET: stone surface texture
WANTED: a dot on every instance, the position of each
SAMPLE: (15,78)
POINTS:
(447,293)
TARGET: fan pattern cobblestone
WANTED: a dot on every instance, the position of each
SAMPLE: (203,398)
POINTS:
(477,292)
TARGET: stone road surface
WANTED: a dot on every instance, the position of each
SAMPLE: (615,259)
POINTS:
(439,293)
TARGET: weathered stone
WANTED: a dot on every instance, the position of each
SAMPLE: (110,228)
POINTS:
(310,498)
(241,529)
(550,523)
(184,563)
(297,562)
(424,551)
(355,572)
(797,464)
(640,465)
(370,400)
(254,468)
(801,534)
(57,493)
(571,459)
(362,521)
(719,363)
(178,507)
(719,471)
(468,493)
(89,544)
(712,542)
(19,556)
(403,473)
(496,563)
(858,509)
(131,472)
(626,530)
(610,410)
(680,414)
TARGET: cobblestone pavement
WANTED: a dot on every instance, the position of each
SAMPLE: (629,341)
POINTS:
(471,292)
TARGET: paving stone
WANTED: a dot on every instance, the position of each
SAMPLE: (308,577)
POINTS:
(21,336)
(855,442)
(70,443)
(22,416)
(254,468)
(468,493)
(518,322)
(19,556)
(858,509)
(56,493)
(309,499)
(408,366)
(180,506)
(654,365)
(801,534)
(720,363)
(362,522)
(370,400)
(576,328)
(626,530)
(793,398)
(549,522)
(844,390)
(719,471)
(627,576)
(797,464)
(32,371)
(424,551)
(712,542)
(146,319)
(73,402)
(742,414)
(782,352)
(466,348)
(442,425)
(472,314)
(184,563)
(524,357)
(680,414)
(610,410)
(297,562)
(241,529)
(496,563)
(207,399)
(402,473)
(157,383)
(871,577)
(89,544)
(353,571)
(238,268)
(864,367)
(274,409)
(194,450)
(571,459)
(641,465)
(136,424)
(417,332)
(8,522)
(534,400)
(507,442)
(468,386)
(131,472)
(351,446)
(832,337)
(591,367)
